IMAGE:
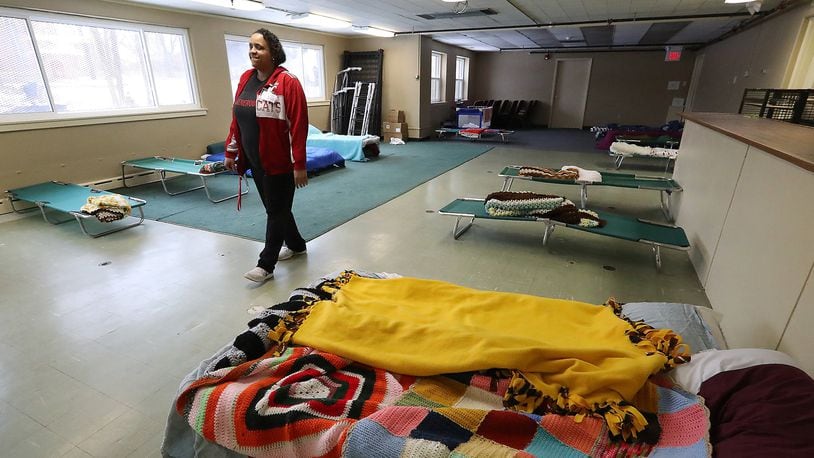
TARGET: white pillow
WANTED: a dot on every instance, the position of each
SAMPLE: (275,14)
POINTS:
(706,364)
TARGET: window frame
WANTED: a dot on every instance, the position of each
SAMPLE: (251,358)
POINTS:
(27,121)
(439,79)
(321,48)
(464,79)
(801,63)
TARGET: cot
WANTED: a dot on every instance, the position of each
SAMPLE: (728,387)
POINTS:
(665,186)
(654,234)
(620,150)
(69,198)
(162,165)
(474,133)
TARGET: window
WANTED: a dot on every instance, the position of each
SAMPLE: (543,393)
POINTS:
(461,77)
(61,67)
(802,75)
(437,77)
(303,60)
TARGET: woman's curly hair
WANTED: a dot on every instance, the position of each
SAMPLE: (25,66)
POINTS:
(277,51)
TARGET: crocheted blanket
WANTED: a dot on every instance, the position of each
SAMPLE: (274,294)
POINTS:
(525,203)
(311,403)
(107,207)
(630,149)
(265,397)
(566,173)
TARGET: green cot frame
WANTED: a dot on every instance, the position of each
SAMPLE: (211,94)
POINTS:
(665,186)
(656,235)
(503,133)
(162,165)
(69,198)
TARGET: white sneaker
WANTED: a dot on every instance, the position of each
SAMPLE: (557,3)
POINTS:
(259,275)
(288,253)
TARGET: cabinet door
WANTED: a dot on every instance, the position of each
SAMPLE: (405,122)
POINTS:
(765,253)
(707,168)
(797,339)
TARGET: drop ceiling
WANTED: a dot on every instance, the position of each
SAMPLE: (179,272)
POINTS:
(526,25)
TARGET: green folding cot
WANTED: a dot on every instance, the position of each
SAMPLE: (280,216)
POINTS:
(665,186)
(69,198)
(162,165)
(651,233)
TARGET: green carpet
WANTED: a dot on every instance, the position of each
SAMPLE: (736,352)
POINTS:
(330,199)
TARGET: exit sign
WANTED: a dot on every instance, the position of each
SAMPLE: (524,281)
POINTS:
(673,54)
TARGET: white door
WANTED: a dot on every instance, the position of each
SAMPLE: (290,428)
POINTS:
(697,66)
(570,94)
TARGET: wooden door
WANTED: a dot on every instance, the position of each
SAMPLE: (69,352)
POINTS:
(570,93)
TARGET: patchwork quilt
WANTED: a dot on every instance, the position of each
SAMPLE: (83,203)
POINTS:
(311,403)
(267,396)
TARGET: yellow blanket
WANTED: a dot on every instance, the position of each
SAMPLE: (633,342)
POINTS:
(567,356)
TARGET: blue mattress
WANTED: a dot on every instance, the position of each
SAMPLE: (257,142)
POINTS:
(316,158)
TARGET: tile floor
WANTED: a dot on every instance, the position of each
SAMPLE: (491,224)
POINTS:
(95,334)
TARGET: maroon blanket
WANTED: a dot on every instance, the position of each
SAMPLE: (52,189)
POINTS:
(761,411)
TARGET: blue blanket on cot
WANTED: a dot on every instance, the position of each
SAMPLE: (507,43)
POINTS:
(315,159)
(348,146)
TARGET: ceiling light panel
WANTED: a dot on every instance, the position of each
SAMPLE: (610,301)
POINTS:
(464,41)
(598,35)
(568,36)
(543,38)
(492,40)
(630,33)
(517,39)
(702,31)
(662,32)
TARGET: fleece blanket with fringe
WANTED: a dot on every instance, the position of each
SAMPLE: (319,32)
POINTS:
(400,381)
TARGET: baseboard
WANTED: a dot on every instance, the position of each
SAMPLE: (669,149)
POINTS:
(105,184)
(135,179)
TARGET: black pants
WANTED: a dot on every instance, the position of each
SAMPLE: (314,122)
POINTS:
(277,193)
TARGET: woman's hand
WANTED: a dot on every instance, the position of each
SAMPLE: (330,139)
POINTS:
(230,164)
(300,178)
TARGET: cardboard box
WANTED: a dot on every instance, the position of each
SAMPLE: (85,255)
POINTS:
(394,116)
(394,127)
(389,135)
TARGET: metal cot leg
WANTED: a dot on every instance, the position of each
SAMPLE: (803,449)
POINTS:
(456,232)
(549,229)
(666,205)
(507,183)
(657,253)
(80,219)
(162,174)
(583,195)
(208,196)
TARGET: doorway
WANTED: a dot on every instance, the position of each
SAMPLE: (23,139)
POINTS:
(570,93)
(697,66)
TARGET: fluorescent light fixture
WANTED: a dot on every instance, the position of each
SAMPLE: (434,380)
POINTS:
(317,20)
(244,5)
(753,6)
(373,31)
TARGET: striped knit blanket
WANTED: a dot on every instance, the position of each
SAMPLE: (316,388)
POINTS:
(525,203)
(309,403)
(260,399)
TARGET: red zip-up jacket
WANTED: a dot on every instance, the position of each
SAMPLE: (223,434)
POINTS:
(282,114)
